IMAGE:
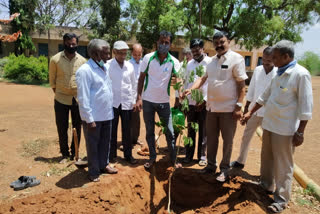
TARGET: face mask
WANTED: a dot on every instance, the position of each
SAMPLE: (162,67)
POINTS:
(163,49)
(100,63)
(71,50)
(199,58)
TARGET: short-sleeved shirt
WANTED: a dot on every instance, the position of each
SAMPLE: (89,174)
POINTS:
(62,76)
(287,100)
(158,77)
(223,73)
(259,82)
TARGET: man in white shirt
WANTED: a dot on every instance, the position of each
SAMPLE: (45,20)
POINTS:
(197,112)
(136,60)
(187,54)
(157,69)
(94,96)
(288,103)
(123,87)
(226,89)
(260,80)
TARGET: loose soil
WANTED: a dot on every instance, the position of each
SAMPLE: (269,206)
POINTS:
(29,146)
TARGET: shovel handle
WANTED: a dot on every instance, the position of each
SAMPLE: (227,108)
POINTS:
(76,144)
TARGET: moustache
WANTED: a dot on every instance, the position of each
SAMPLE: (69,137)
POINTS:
(219,48)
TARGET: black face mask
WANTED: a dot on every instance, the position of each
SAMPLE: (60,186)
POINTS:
(70,50)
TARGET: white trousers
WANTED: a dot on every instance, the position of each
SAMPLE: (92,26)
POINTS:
(250,129)
(277,165)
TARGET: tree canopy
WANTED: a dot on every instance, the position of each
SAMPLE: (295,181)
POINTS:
(311,62)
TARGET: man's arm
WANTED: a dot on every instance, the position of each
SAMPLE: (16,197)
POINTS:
(196,85)
(53,75)
(241,90)
(139,91)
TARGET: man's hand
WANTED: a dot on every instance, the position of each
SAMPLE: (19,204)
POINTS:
(297,139)
(245,118)
(138,105)
(185,93)
(237,113)
(177,104)
(92,126)
(135,108)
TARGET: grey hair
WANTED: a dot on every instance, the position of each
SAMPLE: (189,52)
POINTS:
(96,45)
(285,47)
(186,51)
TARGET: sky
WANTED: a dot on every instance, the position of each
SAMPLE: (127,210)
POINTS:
(310,36)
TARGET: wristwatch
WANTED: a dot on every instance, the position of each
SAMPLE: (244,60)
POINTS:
(239,105)
(300,134)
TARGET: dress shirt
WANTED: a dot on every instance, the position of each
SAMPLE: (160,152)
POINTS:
(62,72)
(287,100)
(222,75)
(94,93)
(158,78)
(259,82)
(191,66)
(123,84)
(136,67)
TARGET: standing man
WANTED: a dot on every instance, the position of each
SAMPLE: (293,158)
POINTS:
(123,87)
(197,113)
(62,69)
(135,116)
(157,69)
(95,102)
(260,80)
(187,54)
(106,55)
(226,89)
(288,105)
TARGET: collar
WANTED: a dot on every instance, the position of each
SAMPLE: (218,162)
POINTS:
(167,59)
(284,69)
(95,65)
(225,56)
(63,54)
(133,60)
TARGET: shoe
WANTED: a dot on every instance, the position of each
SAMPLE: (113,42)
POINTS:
(236,164)
(207,170)
(149,164)
(203,163)
(276,208)
(94,179)
(109,170)
(131,160)
(187,160)
(222,177)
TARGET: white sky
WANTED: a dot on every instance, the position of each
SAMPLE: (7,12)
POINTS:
(310,36)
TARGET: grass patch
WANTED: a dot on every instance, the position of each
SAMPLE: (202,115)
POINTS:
(34,147)
(305,198)
(56,171)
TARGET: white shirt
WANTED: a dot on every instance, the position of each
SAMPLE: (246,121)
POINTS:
(94,93)
(124,84)
(287,100)
(136,67)
(191,66)
(258,84)
(158,78)
(222,75)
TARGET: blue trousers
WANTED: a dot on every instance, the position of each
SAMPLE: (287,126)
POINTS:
(98,146)
(164,113)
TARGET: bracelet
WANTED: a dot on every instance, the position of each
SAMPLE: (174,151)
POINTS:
(300,134)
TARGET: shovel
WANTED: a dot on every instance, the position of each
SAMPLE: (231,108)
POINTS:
(79,163)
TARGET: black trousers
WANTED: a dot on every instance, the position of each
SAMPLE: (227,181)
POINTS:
(62,122)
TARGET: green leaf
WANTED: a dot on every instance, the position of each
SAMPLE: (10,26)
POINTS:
(185,104)
(200,71)
(197,96)
(177,86)
(187,141)
(191,77)
(195,126)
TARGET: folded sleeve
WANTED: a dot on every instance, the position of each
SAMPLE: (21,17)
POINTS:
(52,73)
(239,70)
(305,97)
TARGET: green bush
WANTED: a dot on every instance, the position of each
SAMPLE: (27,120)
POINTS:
(3,62)
(27,69)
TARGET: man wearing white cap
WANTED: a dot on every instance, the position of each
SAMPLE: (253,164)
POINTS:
(123,87)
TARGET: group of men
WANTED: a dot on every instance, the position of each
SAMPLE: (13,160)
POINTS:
(279,99)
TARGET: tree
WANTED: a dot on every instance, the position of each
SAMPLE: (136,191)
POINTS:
(24,23)
(310,61)
(254,23)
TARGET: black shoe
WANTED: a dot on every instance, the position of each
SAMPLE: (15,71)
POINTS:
(236,164)
(131,160)
(207,170)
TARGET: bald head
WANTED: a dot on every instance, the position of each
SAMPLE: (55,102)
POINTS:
(137,52)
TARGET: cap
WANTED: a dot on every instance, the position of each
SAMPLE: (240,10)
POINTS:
(120,45)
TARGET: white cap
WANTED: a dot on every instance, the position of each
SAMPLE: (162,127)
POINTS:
(120,45)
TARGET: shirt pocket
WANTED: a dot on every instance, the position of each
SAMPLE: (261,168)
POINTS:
(284,96)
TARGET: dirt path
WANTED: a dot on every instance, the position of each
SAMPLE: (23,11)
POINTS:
(29,146)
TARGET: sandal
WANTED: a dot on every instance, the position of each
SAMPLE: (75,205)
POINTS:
(20,180)
(25,182)
(275,208)
(149,164)
(97,179)
(203,163)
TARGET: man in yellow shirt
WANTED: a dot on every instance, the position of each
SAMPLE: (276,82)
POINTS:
(62,69)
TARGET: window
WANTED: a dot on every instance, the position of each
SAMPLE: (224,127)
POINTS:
(82,50)
(247,60)
(259,61)
(43,49)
